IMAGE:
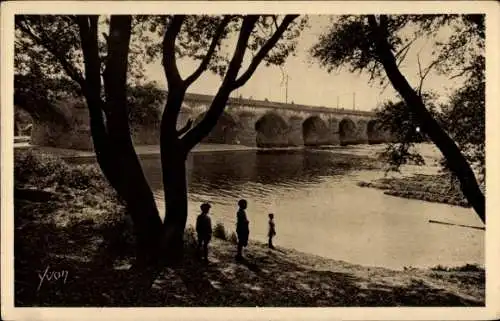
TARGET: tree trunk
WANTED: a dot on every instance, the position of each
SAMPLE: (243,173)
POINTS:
(173,162)
(147,228)
(456,161)
(176,208)
(121,166)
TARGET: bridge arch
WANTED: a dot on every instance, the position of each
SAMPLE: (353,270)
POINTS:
(271,130)
(225,131)
(314,131)
(347,131)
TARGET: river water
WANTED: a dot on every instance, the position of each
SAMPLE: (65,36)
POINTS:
(319,208)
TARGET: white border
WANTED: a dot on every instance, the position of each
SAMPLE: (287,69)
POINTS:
(492,253)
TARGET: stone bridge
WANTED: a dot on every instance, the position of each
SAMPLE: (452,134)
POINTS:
(247,122)
(271,124)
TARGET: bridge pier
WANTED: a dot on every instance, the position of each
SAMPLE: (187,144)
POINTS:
(361,136)
(333,129)
(247,135)
(295,136)
(363,132)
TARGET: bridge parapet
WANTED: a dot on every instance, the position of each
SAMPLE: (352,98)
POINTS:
(207,99)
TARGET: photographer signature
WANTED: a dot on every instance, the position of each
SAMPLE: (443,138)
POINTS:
(52,276)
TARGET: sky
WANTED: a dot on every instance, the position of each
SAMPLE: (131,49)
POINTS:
(311,84)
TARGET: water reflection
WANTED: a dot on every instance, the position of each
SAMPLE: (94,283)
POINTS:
(231,172)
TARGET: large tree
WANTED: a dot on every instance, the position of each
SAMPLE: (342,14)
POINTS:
(101,65)
(379,44)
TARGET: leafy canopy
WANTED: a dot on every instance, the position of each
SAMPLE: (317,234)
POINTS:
(50,45)
(458,42)
(397,119)
(349,43)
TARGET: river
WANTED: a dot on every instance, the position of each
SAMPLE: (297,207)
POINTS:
(319,209)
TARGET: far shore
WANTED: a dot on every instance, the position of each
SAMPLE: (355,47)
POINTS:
(141,150)
(154,150)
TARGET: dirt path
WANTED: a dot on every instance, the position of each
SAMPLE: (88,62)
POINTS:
(286,277)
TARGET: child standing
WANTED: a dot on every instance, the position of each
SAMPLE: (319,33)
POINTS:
(242,229)
(272,231)
(204,230)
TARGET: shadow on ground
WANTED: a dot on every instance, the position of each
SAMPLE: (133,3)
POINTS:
(97,262)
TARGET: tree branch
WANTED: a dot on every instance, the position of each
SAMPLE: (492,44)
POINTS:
(89,41)
(206,60)
(176,86)
(264,50)
(196,134)
(70,70)
(403,52)
(402,57)
(275,20)
(169,61)
(463,72)
(405,48)
(372,70)
(420,75)
(88,29)
(425,73)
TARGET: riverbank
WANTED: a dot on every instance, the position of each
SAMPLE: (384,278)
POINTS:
(431,188)
(141,150)
(68,221)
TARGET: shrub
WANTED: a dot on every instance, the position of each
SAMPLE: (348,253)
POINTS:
(85,193)
(220,232)
(439,268)
(464,268)
(83,177)
(36,168)
(46,171)
(468,268)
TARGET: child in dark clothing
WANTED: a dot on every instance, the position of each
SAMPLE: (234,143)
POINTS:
(242,229)
(204,230)
(272,231)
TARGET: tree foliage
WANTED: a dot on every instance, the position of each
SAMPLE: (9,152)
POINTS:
(379,45)
(405,128)
(464,118)
(349,43)
(145,103)
(398,120)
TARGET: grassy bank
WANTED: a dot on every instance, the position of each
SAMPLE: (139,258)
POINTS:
(68,221)
(430,188)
